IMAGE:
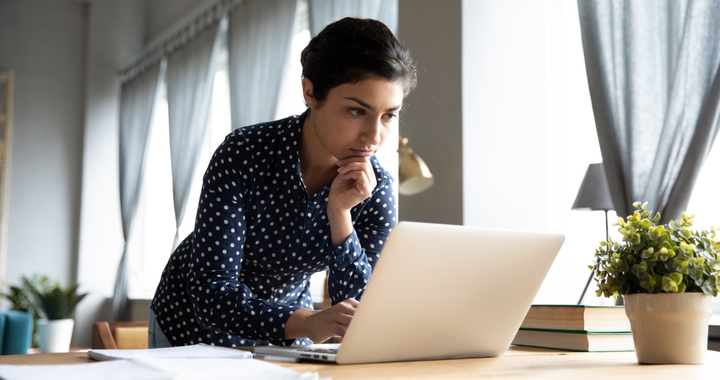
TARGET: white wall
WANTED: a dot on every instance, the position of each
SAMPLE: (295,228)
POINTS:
(115,37)
(44,42)
(163,16)
(505,114)
(528,132)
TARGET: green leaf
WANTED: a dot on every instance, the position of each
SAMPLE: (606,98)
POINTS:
(673,283)
(648,283)
(640,270)
(681,287)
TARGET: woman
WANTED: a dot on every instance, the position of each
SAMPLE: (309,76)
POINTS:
(285,199)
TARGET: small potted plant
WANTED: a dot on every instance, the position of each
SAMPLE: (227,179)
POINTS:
(51,305)
(667,275)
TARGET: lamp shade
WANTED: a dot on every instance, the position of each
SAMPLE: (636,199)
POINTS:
(415,177)
(594,193)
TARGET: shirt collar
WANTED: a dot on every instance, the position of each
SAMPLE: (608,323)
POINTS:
(288,153)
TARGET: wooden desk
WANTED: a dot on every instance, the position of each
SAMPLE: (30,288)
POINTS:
(516,363)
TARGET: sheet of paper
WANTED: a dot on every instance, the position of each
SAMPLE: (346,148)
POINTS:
(157,369)
(194,351)
(109,370)
(253,369)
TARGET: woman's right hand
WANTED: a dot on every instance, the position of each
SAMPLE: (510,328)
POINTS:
(320,326)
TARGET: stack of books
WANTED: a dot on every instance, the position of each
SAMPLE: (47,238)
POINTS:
(576,328)
(714,332)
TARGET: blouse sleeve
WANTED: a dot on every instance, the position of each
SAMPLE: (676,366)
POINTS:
(355,259)
(218,297)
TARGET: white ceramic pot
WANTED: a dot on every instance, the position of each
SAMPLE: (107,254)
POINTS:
(54,335)
(669,328)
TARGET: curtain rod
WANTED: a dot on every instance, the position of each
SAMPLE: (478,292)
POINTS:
(184,34)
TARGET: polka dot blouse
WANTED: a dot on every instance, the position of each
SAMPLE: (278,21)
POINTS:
(258,237)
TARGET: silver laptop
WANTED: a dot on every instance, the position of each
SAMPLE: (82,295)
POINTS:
(441,291)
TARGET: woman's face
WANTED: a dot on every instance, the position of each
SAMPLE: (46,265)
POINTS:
(355,119)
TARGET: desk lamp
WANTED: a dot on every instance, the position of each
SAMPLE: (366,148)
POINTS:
(415,176)
(594,194)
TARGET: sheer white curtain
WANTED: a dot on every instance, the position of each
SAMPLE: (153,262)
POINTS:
(137,101)
(189,79)
(323,12)
(259,37)
(653,72)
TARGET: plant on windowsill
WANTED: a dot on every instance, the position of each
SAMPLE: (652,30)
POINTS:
(51,305)
(667,275)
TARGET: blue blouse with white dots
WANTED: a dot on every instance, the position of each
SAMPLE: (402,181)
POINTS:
(258,237)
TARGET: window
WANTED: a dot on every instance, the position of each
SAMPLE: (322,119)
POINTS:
(291,101)
(154,227)
(704,201)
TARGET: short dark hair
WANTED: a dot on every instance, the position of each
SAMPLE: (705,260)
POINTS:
(351,50)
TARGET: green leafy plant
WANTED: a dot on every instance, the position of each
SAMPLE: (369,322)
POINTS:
(43,298)
(652,258)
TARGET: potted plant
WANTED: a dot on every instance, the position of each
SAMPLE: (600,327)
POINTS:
(51,305)
(667,275)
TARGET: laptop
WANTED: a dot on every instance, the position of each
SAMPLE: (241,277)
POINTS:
(441,291)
